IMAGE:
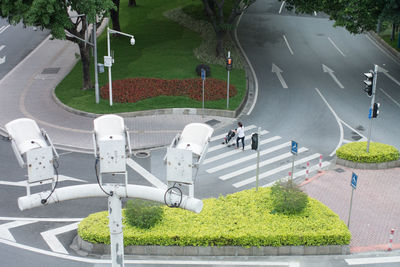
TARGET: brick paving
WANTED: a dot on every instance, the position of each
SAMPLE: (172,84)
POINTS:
(376,207)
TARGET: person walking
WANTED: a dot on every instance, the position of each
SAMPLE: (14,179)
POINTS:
(240,135)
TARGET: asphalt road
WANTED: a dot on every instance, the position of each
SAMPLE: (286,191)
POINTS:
(16,42)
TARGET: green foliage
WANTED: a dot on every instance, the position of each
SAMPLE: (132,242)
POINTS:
(357,152)
(143,214)
(240,219)
(287,198)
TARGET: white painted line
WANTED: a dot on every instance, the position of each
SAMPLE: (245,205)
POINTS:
(330,72)
(2,47)
(382,50)
(315,13)
(261,164)
(3,28)
(287,43)
(250,65)
(278,73)
(24,183)
(301,173)
(386,72)
(276,170)
(41,219)
(4,229)
(372,260)
(340,51)
(221,136)
(280,9)
(174,262)
(337,120)
(391,98)
(236,151)
(346,141)
(220,146)
(363,138)
(51,239)
(147,175)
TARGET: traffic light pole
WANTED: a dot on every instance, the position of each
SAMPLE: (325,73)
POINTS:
(258,158)
(372,105)
(227,87)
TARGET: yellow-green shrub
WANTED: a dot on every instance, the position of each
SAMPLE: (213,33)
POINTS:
(357,152)
(239,219)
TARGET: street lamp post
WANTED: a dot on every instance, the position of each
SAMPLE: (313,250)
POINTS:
(108,61)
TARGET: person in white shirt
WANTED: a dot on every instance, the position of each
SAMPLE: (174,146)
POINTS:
(240,135)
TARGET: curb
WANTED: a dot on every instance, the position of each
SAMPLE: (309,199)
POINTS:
(85,248)
(382,42)
(368,166)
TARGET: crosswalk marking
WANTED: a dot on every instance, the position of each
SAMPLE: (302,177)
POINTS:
(249,157)
(220,146)
(233,152)
(221,136)
(276,170)
(301,173)
(262,163)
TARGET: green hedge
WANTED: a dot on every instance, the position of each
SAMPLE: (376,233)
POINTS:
(357,152)
(240,219)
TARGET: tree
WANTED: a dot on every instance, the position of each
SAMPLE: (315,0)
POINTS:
(222,25)
(355,15)
(132,3)
(54,15)
(114,14)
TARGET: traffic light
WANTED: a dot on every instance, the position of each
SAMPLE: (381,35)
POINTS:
(375,110)
(229,63)
(254,141)
(369,82)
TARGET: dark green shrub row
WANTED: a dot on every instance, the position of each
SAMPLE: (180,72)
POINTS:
(357,152)
(240,219)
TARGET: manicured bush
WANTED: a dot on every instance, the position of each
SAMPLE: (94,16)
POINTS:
(143,213)
(357,152)
(287,198)
(136,89)
(240,219)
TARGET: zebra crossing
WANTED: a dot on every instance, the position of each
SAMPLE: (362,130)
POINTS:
(238,167)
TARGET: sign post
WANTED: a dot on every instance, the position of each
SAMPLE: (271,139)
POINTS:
(258,157)
(203,78)
(228,68)
(353,184)
(293,149)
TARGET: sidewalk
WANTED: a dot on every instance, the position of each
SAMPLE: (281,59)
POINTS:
(26,91)
(375,209)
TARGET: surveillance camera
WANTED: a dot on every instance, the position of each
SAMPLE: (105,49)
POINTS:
(132,41)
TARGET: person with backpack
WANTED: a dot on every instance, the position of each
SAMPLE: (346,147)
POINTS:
(240,135)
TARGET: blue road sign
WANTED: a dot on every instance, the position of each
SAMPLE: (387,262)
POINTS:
(203,74)
(354,178)
(370,113)
(294,148)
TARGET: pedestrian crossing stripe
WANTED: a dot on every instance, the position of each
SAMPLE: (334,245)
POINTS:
(274,171)
(233,152)
(221,136)
(262,163)
(220,146)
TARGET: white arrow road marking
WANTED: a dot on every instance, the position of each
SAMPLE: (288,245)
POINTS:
(278,71)
(53,242)
(2,60)
(388,75)
(4,229)
(330,71)
(24,183)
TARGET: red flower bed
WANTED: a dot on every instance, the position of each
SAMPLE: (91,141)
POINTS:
(136,89)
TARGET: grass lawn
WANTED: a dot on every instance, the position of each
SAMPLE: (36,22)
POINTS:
(163,49)
(385,35)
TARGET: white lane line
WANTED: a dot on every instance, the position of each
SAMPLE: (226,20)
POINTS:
(363,138)
(280,9)
(287,43)
(51,239)
(220,146)
(386,72)
(276,170)
(391,98)
(221,136)
(300,173)
(337,120)
(382,50)
(24,183)
(236,151)
(372,260)
(3,28)
(145,174)
(262,164)
(41,219)
(4,229)
(315,13)
(340,51)
(250,66)
(2,47)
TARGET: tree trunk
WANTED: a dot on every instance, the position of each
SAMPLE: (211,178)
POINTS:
(132,3)
(220,43)
(85,57)
(115,16)
(393,32)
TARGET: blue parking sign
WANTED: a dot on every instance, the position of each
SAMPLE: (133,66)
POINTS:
(354,178)
(203,74)
(294,148)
